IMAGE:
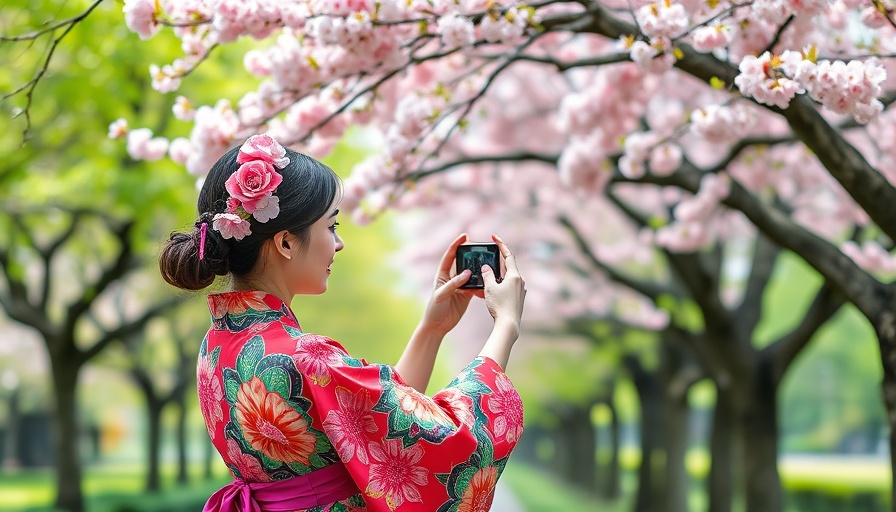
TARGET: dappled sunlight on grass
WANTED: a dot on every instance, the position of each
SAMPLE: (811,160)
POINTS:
(840,475)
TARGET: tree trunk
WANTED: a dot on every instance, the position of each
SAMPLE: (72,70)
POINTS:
(183,476)
(885,327)
(650,471)
(760,447)
(11,460)
(154,428)
(720,482)
(69,496)
(676,479)
(612,483)
(584,449)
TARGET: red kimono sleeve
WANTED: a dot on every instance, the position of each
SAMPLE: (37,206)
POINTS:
(403,448)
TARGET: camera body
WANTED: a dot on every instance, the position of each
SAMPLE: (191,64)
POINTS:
(473,256)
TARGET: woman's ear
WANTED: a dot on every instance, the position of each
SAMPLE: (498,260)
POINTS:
(282,245)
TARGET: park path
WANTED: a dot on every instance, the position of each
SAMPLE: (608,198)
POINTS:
(505,500)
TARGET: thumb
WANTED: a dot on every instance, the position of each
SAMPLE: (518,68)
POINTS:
(488,275)
(456,282)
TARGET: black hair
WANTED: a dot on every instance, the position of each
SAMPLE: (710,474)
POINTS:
(306,193)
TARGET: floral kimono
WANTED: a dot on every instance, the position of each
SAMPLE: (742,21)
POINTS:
(279,403)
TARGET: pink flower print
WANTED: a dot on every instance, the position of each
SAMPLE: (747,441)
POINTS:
(508,407)
(208,386)
(248,466)
(263,147)
(253,181)
(457,406)
(418,405)
(394,473)
(314,356)
(347,426)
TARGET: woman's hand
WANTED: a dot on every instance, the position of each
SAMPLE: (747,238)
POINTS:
(505,300)
(449,301)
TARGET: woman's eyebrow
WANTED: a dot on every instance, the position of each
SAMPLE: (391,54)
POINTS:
(335,212)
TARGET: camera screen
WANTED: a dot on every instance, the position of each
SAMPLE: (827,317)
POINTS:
(473,257)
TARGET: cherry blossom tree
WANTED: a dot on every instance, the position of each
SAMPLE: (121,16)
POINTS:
(593,258)
(777,109)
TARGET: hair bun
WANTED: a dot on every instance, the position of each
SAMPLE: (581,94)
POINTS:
(179,260)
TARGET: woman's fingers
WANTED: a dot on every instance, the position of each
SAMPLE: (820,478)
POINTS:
(509,258)
(447,261)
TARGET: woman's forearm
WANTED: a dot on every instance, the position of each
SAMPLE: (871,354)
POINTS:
(499,343)
(419,357)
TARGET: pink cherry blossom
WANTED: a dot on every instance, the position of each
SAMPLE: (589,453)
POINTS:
(141,17)
(231,226)
(662,19)
(183,109)
(118,128)
(179,150)
(143,146)
(456,31)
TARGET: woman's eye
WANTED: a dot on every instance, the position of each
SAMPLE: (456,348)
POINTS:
(333,227)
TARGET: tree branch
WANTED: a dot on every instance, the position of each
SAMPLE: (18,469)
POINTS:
(29,86)
(868,187)
(111,273)
(126,330)
(648,289)
(765,254)
(784,350)
(47,253)
(16,303)
(843,274)
(513,157)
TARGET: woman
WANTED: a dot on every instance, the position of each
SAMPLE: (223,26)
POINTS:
(301,424)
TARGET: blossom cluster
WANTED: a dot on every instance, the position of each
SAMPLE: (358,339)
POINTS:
(691,228)
(844,88)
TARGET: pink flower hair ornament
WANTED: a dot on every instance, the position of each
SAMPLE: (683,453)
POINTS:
(252,187)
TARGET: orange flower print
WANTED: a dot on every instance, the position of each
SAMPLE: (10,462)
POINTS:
(418,405)
(394,474)
(208,386)
(271,426)
(314,356)
(236,303)
(508,409)
(480,491)
(248,466)
(347,426)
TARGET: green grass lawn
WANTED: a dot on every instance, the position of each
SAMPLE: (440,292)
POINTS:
(812,484)
(539,491)
(108,488)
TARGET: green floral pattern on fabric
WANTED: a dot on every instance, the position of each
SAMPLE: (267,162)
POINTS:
(411,416)
(269,416)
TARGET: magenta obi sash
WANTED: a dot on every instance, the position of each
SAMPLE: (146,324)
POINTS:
(319,487)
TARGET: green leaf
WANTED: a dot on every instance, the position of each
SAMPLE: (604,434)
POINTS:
(213,359)
(231,387)
(276,380)
(249,357)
